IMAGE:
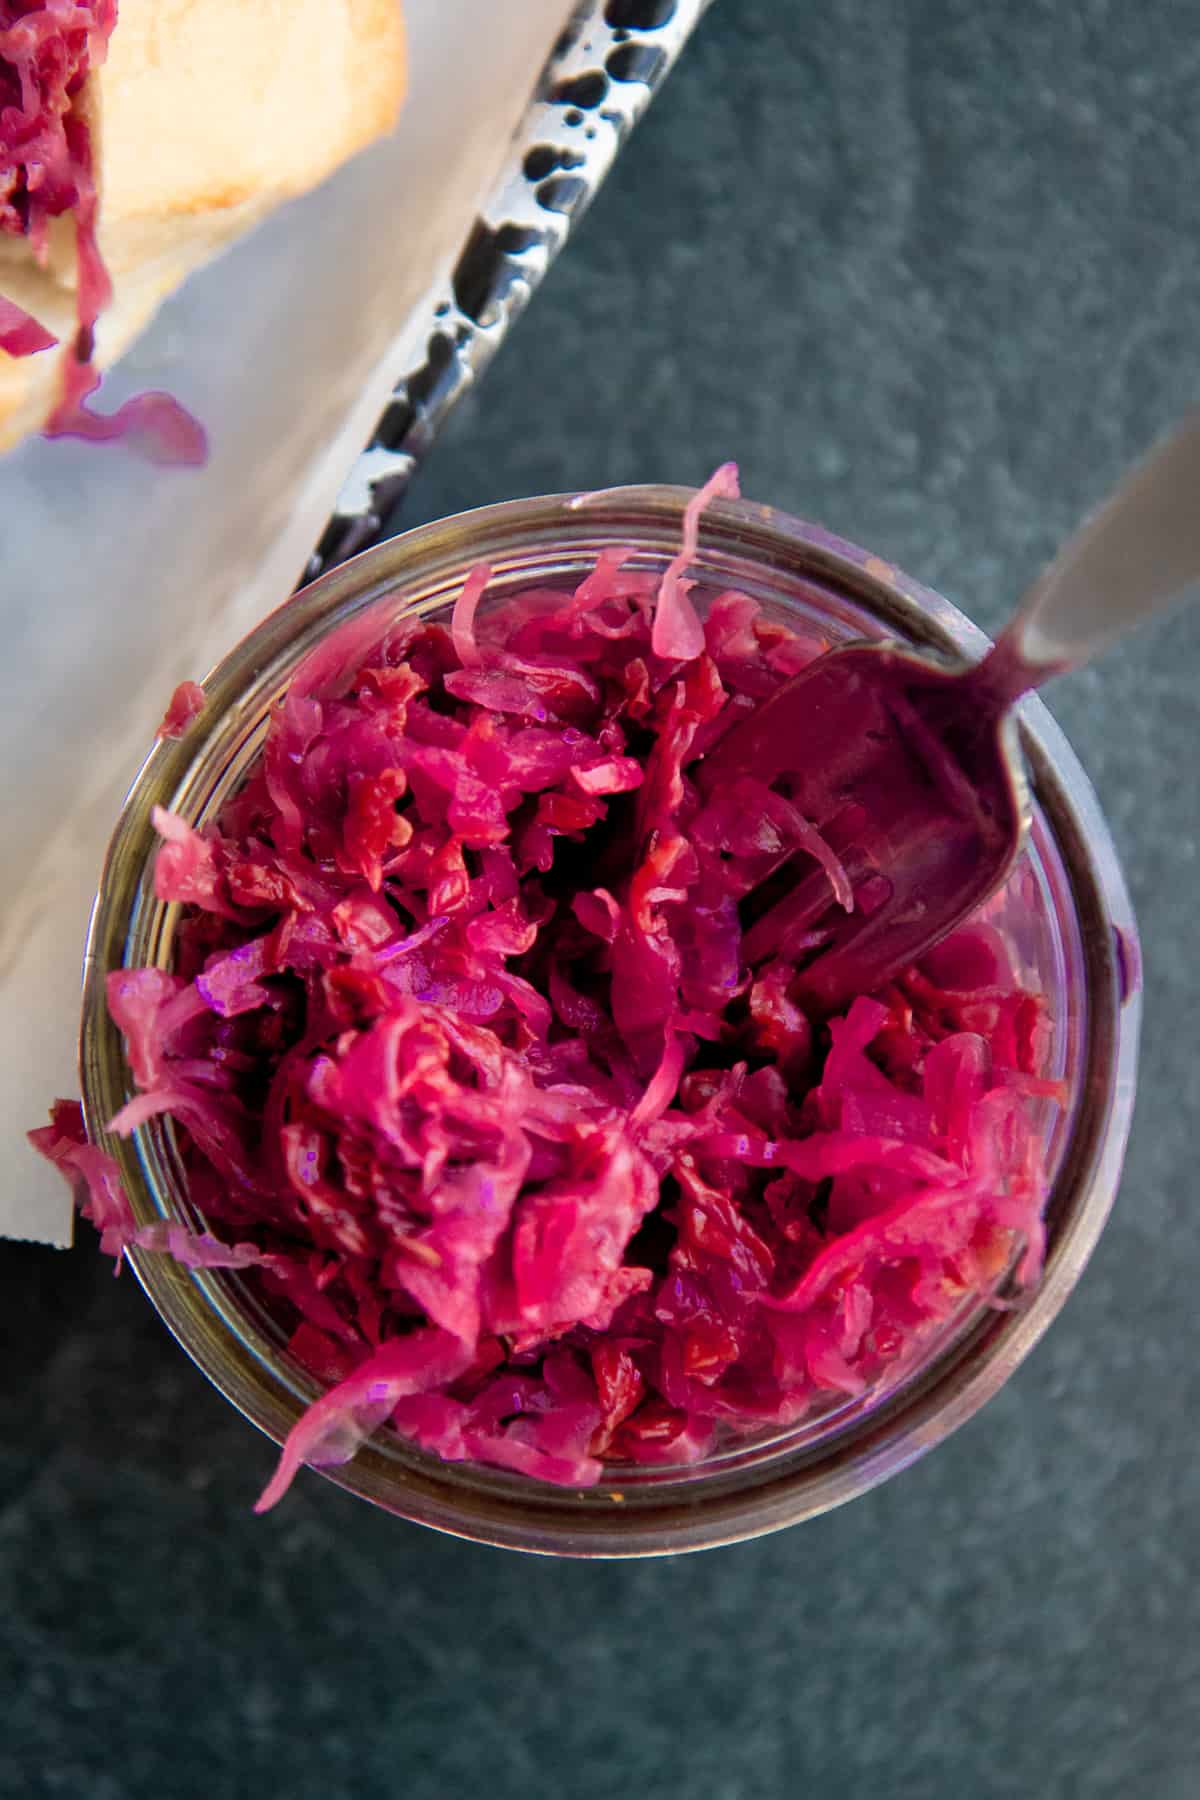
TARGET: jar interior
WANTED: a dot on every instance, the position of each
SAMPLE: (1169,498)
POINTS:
(218,1317)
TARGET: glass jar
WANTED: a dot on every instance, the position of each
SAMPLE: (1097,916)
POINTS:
(1068,911)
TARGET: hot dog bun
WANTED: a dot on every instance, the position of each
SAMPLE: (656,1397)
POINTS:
(204,116)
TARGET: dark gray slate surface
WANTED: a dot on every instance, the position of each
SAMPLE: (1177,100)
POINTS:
(931,273)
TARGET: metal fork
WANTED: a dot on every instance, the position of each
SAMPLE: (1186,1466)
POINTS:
(911,770)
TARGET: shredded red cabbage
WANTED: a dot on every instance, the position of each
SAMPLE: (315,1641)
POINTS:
(461,1044)
(46,51)
(153,424)
(20,333)
(96,1179)
(183,709)
(47,48)
(677,631)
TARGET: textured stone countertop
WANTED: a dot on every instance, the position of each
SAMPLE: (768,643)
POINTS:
(931,273)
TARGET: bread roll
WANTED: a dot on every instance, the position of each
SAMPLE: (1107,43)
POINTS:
(204,115)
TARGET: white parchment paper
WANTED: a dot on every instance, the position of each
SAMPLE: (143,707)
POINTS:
(118,580)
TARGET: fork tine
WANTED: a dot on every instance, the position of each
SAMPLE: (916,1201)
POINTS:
(793,918)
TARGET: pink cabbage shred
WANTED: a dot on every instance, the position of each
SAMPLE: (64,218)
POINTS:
(47,48)
(473,1082)
(183,709)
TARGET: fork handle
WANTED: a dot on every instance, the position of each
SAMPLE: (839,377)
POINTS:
(1131,560)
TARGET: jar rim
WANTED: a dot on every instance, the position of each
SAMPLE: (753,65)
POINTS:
(204,1311)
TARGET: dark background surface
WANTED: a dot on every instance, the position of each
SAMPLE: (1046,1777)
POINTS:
(930,273)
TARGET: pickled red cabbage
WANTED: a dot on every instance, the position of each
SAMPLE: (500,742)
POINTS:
(47,170)
(183,709)
(467,1065)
